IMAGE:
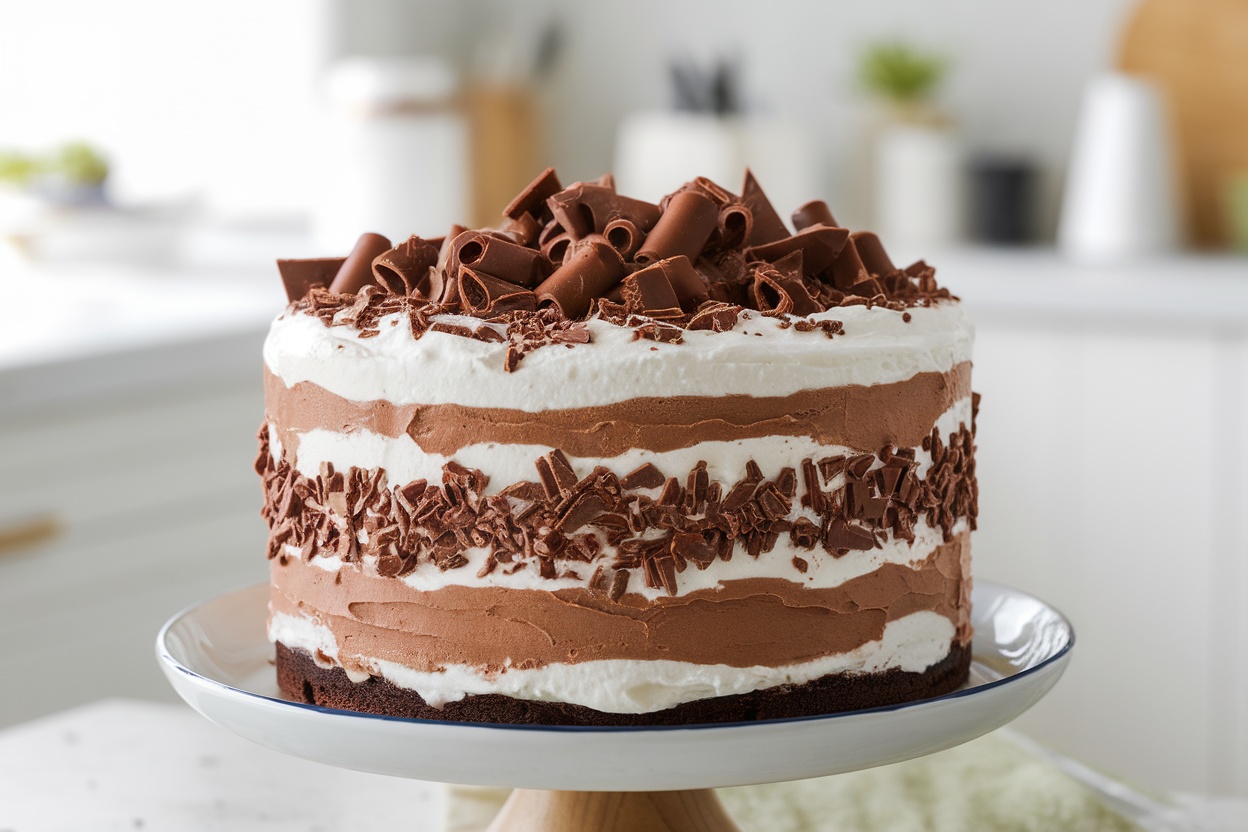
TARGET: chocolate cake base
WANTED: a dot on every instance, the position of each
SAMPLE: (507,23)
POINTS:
(301,680)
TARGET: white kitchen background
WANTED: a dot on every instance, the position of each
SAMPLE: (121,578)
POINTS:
(1113,434)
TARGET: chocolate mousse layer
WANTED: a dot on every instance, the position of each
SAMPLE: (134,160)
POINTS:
(301,680)
(900,414)
(742,623)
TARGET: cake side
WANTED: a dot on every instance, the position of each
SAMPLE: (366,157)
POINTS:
(642,520)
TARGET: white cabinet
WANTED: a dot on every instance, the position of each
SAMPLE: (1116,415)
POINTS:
(141,501)
(1112,474)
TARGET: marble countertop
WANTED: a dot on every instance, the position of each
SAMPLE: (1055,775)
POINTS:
(129,765)
(126,765)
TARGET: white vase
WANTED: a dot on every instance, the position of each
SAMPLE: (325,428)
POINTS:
(657,152)
(919,202)
(395,152)
(1120,199)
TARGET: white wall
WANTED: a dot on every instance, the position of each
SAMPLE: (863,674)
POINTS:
(218,98)
(207,100)
(1018,70)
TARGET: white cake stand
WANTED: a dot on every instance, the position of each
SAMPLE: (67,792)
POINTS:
(217,658)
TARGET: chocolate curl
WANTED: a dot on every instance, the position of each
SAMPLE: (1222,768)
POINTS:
(584,209)
(299,276)
(607,180)
(522,231)
(715,193)
(532,200)
(815,212)
(591,271)
(776,293)
(557,247)
(447,247)
(406,269)
(735,224)
(650,292)
(486,296)
(819,245)
(689,286)
(356,271)
(684,228)
(624,236)
(871,251)
(769,293)
(768,227)
(499,258)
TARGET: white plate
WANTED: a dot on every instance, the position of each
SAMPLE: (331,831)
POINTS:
(218,659)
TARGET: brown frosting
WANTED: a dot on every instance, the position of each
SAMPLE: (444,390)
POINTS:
(756,621)
(860,417)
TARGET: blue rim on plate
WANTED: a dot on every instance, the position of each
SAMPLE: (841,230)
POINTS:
(163,654)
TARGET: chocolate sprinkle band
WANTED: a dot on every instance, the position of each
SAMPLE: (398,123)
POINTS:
(859,501)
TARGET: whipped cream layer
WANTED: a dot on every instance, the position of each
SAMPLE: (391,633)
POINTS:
(759,357)
(912,643)
(404,460)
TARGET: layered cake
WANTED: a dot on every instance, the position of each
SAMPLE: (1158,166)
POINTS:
(619,463)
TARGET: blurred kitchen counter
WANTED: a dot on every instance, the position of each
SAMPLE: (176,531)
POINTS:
(83,331)
(1040,287)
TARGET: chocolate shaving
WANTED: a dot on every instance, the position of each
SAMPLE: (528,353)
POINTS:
(532,200)
(556,474)
(646,476)
(768,227)
(299,276)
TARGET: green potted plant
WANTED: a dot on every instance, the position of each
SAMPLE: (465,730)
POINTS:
(916,161)
(73,173)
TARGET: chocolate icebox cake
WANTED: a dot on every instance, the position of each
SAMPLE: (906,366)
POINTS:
(619,463)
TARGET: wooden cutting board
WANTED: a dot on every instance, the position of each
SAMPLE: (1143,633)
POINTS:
(1197,51)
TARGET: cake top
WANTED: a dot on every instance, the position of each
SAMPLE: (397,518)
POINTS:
(698,260)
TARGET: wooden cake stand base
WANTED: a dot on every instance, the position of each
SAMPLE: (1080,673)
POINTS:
(532,810)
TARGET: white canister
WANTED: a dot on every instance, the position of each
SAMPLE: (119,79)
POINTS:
(657,152)
(919,201)
(397,160)
(1120,199)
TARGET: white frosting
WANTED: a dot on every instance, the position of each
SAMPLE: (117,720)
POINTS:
(758,358)
(628,686)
